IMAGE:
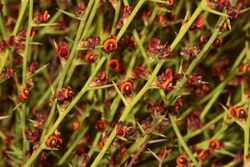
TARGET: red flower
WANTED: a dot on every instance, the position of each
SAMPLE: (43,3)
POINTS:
(79,10)
(198,24)
(62,50)
(110,45)
(127,87)
(90,57)
(154,45)
(214,144)
(32,67)
(54,141)
(182,161)
(114,65)
(24,94)
(165,80)
(100,125)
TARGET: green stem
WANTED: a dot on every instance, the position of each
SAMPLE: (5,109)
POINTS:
(77,135)
(197,60)
(67,110)
(206,47)
(117,11)
(2,28)
(27,45)
(232,73)
(91,17)
(34,155)
(125,2)
(70,72)
(48,121)
(47,93)
(83,90)
(73,50)
(87,11)
(214,97)
(182,142)
(208,125)
(215,12)
(72,146)
(18,23)
(185,27)
(125,113)
(23,115)
(4,10)
(24,75)
(130,18)
(178,7)
(144,54)
(45,29)
(97,138)
(246,136)
(45,25)
(147,85)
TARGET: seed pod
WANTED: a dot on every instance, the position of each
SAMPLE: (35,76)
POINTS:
(127,10)
(19,47)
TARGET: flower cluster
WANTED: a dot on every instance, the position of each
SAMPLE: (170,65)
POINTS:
(152,83)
